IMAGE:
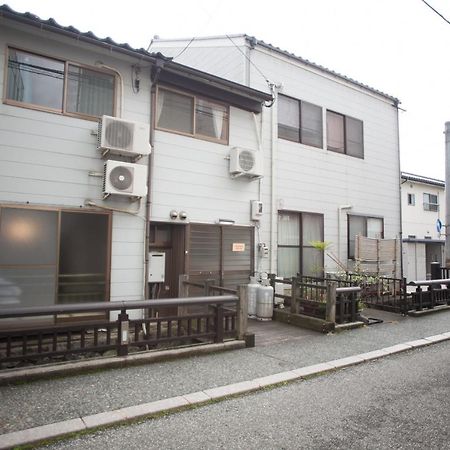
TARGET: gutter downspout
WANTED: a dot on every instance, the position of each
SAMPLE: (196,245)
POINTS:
(154,75)
(400,192)
(273,200)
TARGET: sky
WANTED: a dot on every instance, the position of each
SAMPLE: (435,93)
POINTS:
(399,47)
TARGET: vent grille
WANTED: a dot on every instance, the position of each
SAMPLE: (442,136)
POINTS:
(121,178)
(119,134)
(246,160)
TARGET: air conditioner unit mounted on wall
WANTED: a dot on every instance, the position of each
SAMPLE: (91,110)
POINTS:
(123,137)
(244,162)
(121,178)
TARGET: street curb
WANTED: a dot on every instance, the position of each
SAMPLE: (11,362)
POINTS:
(147,410)
(426,312)
(133,359)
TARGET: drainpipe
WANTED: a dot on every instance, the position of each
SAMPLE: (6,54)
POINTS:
(339,213)
(154,75)
(400,193)
(273,200)
(447,195)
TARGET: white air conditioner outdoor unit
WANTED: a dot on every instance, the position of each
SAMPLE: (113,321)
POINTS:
(121,178)
(124,137)
(244,162)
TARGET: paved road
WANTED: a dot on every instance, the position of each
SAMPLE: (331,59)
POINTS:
(397,402)
(39,403)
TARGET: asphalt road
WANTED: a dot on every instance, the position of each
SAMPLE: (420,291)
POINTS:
(398,402)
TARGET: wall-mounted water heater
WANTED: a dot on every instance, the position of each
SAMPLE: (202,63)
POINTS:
(157,267)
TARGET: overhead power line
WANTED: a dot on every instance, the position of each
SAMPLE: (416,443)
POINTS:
(436,11)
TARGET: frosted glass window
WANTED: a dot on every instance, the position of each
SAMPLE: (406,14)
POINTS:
(28,237)
(288,261)
(374,227)
(312,262)
(23,286)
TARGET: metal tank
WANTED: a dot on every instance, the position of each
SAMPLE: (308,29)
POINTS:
(264,302)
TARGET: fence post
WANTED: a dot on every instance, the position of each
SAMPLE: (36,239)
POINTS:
(330,313)
(436,271)
(122,333)
(208,283)
(242,312)
(219,324)
(183,291)
(294,296)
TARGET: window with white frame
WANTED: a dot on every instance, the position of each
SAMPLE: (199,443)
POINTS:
(411,199)
(372,227)
(300,121)
(430,202)
(296,252)
(192,115)
(58,86)
(345,135)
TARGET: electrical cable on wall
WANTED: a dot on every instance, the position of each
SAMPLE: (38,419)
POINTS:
(436,11)
(270,84)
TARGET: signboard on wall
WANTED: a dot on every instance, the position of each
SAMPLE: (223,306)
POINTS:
(238,247)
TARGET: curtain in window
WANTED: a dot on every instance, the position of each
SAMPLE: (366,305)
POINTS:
(374,227)
(175,111)
(210,118)
(335,132)
(356,225)
(288,229)
(288,261)
(90,92)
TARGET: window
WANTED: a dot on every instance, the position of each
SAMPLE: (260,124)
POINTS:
(430,202)
(49,257)
(38,81)
(192,115)
(299,121)
(296,254)
(345,135)
(371,227)
(411,199)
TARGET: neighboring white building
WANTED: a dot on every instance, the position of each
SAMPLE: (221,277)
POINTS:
(423,218)
(331,151)
(61,240)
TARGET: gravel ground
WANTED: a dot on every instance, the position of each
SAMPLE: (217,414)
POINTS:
(399,402)
(47,401)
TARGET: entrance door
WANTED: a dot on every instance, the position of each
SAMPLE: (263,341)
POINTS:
(222,253)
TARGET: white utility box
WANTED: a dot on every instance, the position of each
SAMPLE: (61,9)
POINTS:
(157,266)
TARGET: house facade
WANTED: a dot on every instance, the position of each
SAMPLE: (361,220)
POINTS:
(331,152)
(423,217)
(115,169)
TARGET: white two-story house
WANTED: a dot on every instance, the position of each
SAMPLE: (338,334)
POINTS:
(331,152)
(423,218)
(118,211)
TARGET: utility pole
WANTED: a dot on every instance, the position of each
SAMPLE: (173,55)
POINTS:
(447,194)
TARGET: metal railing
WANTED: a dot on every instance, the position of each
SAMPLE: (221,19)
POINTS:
(437,293)
(221,317)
